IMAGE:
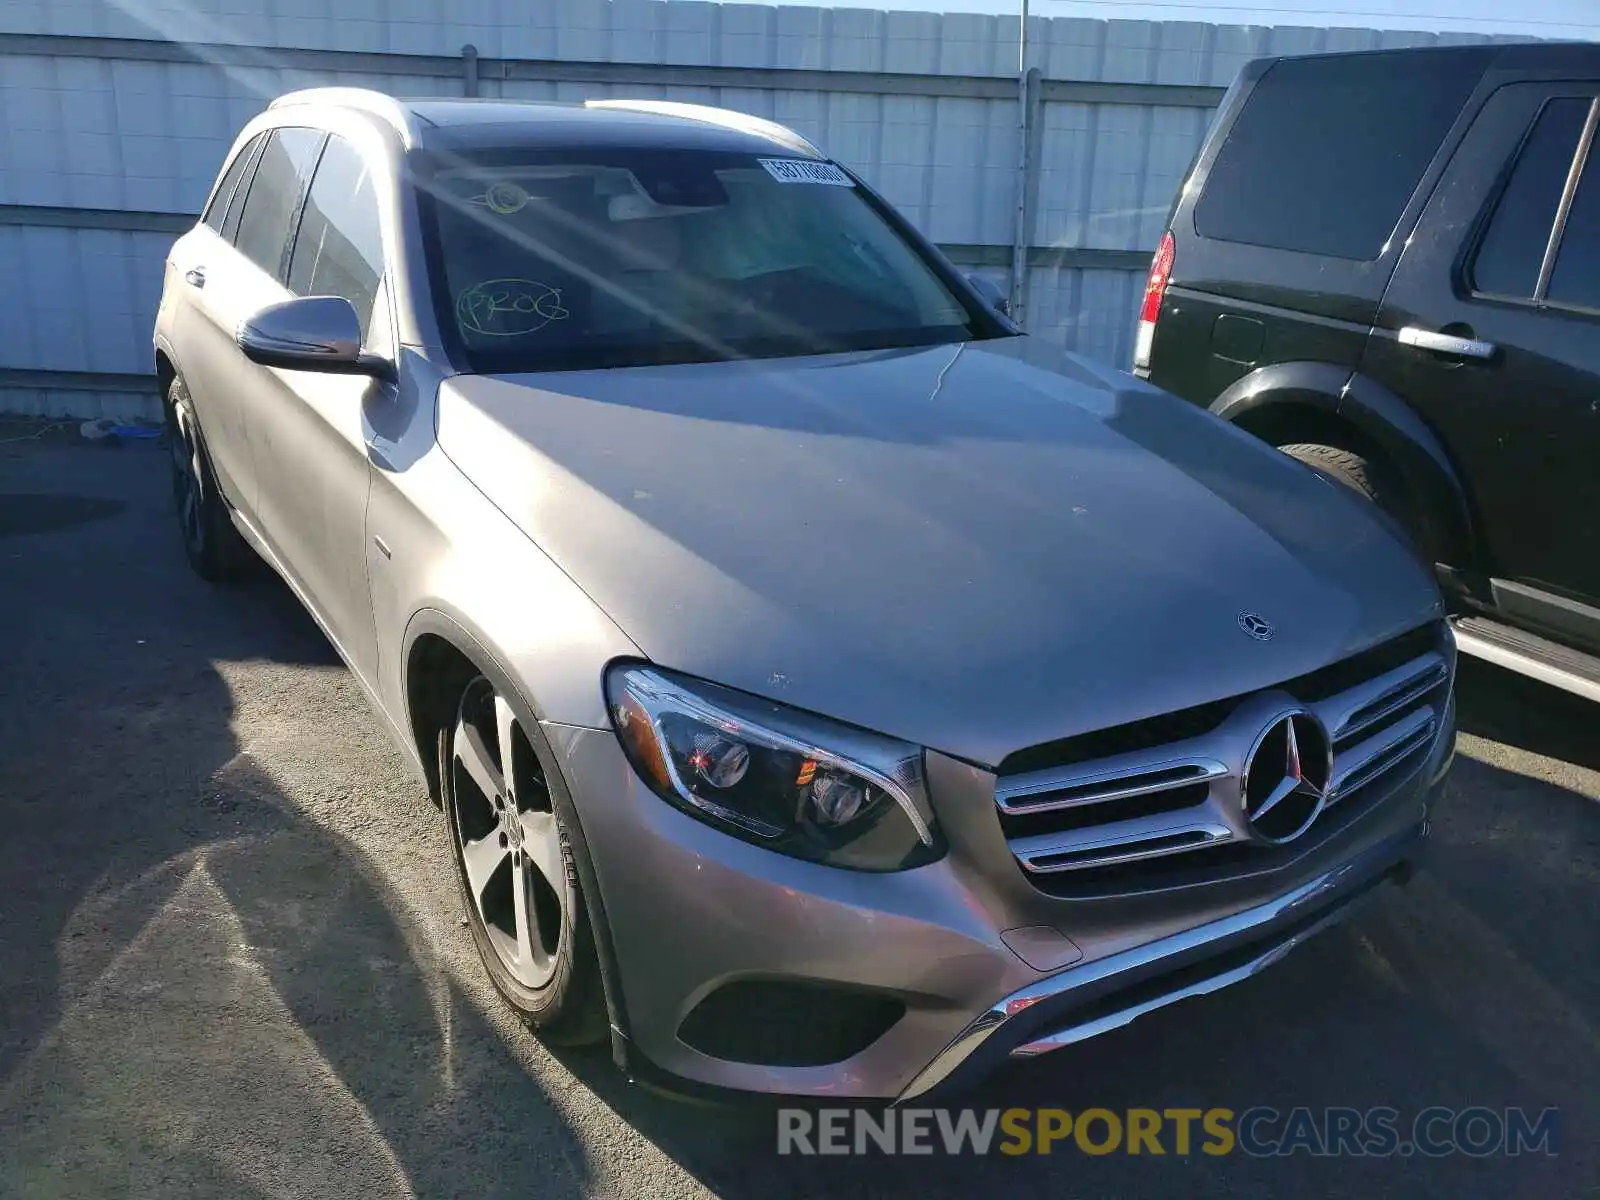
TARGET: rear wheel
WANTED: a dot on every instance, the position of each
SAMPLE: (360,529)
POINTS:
(518,880)
(1367,477)
(214,548)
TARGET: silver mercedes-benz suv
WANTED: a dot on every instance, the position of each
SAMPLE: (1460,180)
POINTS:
(829,690)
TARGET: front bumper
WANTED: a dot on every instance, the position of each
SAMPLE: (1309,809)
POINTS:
(1080,1003)
(692,911)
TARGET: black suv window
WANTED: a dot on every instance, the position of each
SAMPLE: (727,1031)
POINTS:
(275,194)
(1327,150)
(339,249)
(1513,246)
(218,208)
(1576,279)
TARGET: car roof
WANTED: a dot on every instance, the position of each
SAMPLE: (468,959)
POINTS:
(433,122)
(1529,55)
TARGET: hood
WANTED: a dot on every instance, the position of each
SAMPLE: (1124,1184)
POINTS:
(974,547)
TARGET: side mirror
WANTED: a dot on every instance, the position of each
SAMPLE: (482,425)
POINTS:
(990,291)
(310,333)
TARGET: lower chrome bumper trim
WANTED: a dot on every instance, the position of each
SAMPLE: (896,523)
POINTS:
(1307,910)
(1083,1030)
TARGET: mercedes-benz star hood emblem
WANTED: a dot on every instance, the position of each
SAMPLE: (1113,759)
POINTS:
(1257,626)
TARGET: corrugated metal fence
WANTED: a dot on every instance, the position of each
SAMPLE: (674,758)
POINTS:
(114,118)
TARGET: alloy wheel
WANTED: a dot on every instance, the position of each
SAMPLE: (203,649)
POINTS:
(187,481)
(507,838)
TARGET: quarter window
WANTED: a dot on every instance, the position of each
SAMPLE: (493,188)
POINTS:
(339,249)
(275,193)
(1513,246)
(1316,160)
(218,208)
(1576,279)
(230,223)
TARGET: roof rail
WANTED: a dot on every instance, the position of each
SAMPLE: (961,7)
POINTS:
(726,117)
(378,104)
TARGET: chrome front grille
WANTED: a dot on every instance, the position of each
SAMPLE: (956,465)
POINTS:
(1378,725)
(1113,810)
(1166,814)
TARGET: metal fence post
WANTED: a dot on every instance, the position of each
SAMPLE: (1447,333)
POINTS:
(469,70)
(1029,108)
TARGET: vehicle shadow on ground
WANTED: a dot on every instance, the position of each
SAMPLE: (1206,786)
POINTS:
(1469,987)
(202,990)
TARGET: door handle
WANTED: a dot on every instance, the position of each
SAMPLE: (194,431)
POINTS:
(195,277)
(1445,343)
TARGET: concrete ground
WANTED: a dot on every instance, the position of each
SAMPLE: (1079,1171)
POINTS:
(231,957)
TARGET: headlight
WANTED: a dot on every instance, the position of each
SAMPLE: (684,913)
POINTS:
(783,779)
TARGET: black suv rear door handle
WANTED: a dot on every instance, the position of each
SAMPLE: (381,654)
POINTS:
(1445,343)
(195,277)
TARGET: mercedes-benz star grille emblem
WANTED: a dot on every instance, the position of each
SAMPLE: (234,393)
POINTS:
(1286,778)
(1256,626)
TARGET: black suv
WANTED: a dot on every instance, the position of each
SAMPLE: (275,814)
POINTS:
(1388,265)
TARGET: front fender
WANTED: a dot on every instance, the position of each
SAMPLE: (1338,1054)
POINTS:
(508,683)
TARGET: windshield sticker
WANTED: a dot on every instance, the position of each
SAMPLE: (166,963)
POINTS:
(806,170)
(509,307)
(503,197)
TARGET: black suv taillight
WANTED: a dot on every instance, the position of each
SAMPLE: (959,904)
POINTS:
(1155,289)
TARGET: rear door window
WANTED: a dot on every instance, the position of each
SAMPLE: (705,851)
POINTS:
(339,248)
(1509,257)
(274,195)
(1327,151)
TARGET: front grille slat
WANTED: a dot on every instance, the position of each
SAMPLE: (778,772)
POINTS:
(1363,763)
(1118,842)
(1044,791)
(1157,804)
(1365,706)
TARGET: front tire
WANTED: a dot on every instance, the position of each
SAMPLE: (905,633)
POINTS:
(514,862)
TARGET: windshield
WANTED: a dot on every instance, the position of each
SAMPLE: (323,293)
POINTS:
(561,260)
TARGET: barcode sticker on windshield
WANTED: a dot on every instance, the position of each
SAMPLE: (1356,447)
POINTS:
(806,170)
